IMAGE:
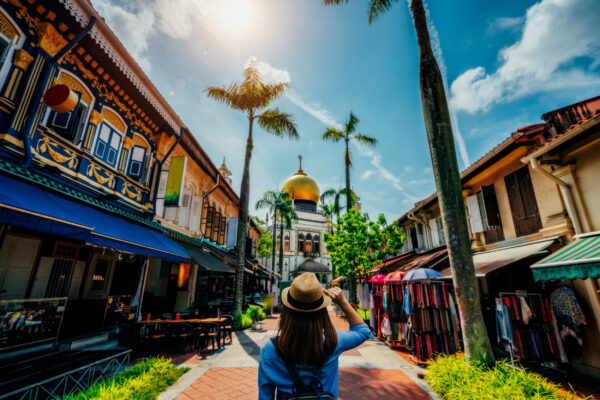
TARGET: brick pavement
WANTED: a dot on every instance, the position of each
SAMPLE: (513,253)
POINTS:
(370,371)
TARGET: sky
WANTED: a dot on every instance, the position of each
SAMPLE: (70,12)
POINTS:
(504,63)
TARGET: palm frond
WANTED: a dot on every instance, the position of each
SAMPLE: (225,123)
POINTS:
(332,134)
(351,123)
(273,91)
(328,194)
(278,123)
(379,7)
(268,200)
(365,140)
(229,96)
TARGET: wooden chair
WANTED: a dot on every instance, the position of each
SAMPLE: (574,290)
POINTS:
(226,328)
(183,335)
(210,332)
(153,338)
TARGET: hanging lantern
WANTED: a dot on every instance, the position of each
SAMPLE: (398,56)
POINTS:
(61,99)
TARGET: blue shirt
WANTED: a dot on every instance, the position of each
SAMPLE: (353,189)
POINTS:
(273,374)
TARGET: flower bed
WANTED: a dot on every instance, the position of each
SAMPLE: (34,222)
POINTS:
(453,379)
(145,381)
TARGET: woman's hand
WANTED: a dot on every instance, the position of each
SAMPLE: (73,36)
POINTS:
(336,294)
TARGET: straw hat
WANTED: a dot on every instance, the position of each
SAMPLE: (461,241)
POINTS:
(305,294)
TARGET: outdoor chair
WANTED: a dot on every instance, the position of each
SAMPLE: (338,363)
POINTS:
(183,336)
(226,328)
(209,335)
(153,338)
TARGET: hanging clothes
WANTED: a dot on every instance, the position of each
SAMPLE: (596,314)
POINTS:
(503,326)
(372,322)
(525,310)
(568,313)
(363,296)
(407,303)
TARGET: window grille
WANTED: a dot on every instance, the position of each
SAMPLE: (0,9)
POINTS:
(60,278)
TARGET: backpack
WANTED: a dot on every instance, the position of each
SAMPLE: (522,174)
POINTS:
(308,387)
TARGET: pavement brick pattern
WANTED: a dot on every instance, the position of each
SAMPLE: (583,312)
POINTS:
(371,371)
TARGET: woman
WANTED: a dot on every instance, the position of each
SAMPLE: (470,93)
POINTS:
(307,338)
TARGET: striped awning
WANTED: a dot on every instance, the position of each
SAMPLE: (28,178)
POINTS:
(577,260)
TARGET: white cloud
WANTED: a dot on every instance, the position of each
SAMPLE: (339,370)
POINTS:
(409,168)
(270,74)
(556,32)
(506,24)
(367,174)
(314,109)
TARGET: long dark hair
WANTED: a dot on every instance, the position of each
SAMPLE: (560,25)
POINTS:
(306,338)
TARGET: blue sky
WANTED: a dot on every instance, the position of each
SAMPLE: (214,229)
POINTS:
(505,63)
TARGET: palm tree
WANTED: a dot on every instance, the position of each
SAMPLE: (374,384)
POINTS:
(287,214)
(271,200)
(328,210)
(335,135)
(252,96)
(449,188)
(336,196)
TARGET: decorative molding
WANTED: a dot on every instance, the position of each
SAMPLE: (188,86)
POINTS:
(108,178)
(128,142)
(7,28)
(74,84)
(114,120)
(46,145)
(96,118)
(50,40)
(22,59)
(80,17)
(131,191)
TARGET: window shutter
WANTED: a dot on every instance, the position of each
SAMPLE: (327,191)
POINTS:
(490,205)
(146,168)
(434,232)
(171,213)
(209,222)
(232,232)
(474,214)
(195,214)
(440,224)
(222,230)
(215,232)
(162,188)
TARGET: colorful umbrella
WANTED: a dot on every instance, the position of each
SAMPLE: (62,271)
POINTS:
(377,279)
(394,277)
(421,273)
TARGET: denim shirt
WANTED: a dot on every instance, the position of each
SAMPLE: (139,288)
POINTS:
(273,374)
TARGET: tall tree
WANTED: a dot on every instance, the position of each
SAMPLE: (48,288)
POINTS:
(287,214)
(252,96)
(272,200)
(336,196)
(347,134)
(447,179)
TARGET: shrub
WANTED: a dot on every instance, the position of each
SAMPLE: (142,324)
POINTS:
(244,321)
(453,379)
(144,381)
(256,313)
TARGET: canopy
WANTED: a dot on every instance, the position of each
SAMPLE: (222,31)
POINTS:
(489,261)
(30,207)
(312,266)
(421,274)
(377,279)
(394,277)
(577,260)
(426,260)
(392,261)
(204,259)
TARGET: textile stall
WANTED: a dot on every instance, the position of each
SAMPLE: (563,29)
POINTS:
(376,303)
(422,315)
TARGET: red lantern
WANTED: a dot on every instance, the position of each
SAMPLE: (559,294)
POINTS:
(60,98)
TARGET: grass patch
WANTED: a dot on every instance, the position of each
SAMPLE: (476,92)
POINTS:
(144,381)
(453,379)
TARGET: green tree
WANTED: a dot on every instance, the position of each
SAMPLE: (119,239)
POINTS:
(348,134)
(252,96)
(447,179)
(264,244)
(287,214)
(359,244)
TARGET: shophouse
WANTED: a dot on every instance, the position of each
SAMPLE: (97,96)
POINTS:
(525,199)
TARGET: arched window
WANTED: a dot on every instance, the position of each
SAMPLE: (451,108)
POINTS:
(308,245)
(286,242)
(277,244)
(109,137)
(300,247)
(315,248)
(71,125)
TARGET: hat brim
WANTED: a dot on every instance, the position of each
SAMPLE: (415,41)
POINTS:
(284,298)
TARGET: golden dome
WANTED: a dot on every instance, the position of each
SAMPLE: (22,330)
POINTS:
(302,187)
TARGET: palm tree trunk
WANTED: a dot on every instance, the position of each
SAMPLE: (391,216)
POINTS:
(447,178)
(240,243)
(281,245)
(274,240)
(348,191)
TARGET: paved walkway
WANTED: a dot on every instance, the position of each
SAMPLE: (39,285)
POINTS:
(371,371)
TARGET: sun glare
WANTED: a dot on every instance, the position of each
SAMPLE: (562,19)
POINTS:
(234,15)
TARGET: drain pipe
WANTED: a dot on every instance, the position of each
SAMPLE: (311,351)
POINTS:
(424,223)
(565,190)
(159,166)
(42,83)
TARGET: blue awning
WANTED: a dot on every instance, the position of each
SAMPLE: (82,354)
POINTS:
(30,207)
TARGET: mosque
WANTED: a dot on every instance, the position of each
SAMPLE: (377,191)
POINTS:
(303,246)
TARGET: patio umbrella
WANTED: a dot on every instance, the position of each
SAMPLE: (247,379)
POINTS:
(377,279)
(421,273)
(395,276)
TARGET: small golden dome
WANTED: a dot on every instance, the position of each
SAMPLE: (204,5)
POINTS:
(302,187)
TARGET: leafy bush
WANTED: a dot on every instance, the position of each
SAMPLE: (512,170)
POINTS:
(453,379)
(252,314)
(256,313)
(144,381)
(244,321)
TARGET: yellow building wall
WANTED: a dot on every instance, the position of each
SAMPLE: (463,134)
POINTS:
(588,179)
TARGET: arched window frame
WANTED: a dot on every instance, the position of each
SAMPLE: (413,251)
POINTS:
(77,119)
(12,45)
(316,246)
(308,245)
(300,247)
(113,130)
(286,242)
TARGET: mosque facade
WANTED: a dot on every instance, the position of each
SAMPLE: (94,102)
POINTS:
(303,245)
